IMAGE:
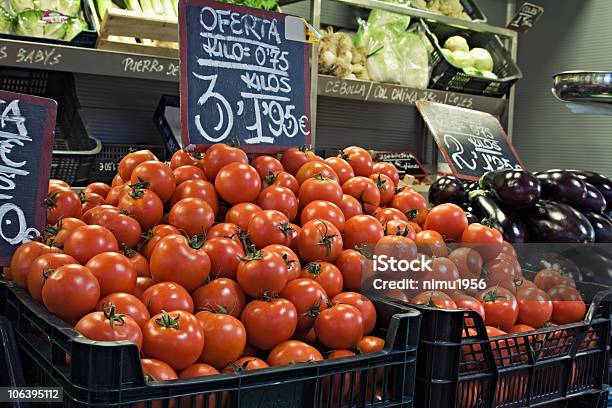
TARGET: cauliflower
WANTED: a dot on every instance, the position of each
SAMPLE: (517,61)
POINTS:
(451,8)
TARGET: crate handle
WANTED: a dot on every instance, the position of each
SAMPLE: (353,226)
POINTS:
(595,304)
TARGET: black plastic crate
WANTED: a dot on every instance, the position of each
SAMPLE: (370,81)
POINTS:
(460,367)
(447,76)
(109,374)
(107,160)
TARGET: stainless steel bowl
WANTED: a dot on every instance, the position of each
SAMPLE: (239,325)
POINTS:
(583,86)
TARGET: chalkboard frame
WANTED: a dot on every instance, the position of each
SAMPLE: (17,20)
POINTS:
(440,143)
(423,172)
(184,75)
(44,167)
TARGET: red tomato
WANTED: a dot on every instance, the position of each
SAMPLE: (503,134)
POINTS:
(314,168)
(360,230)
(53,183)
(320,188)
(308,297)
(225,230)
(219,155)
(245,364)
(114,272)
(549,278)
(131,160)
(468,262)
(323,210)
(182,158)
(434,298)
(126,304)
(396,246)
(62,203)
(198,370)
(499,272)
(278,198)
(341,167)
(370,344)
(41,268)
(521,328)
(93,216)
(70,292)
(431,243)
(443,271)
(225,338)
(388,170)
(501,307)
(102,189)
(241,214)
(467,302)
(269,227)
(568,306)
(400,228)
(88,241)
(262,273)
(295,157)
(447,219)
(350,262)
(364,190)
(339,327)
(157,370)
(359,159)
(386,188)
(361,302)
(319,240)
(56,234)
(535,307)
(197,189)
(157,177)
(186,173)
(153,236)
(291,259)
(384,215)
(177,259)
(508,249)
(238,183)
(142,283)
(293,352)
(350,206)
(412,204)
(127,230)
(22,259)
(192,215)
(282,179)
(167,296)
(292,242)
(109,325)
(220,294)
(266,165)
(117,181)
(144,205)
(224,254)
(269,322)
(488,241)
(115,194)
(325,274)
(176,338)
(90,200)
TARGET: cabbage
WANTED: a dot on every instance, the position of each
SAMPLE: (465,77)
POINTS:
(66,7)
(382,61)
(456,43)
(463,59)
(482,59)
(38,23)
(392,21)
(414,59)
(6,20)
(74,26)
(489,74)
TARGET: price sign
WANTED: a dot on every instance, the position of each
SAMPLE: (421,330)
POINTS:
(405,162)
(472,142)
(244,76)
(27,124)
(525,17)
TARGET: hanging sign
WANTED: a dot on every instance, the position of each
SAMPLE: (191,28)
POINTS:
(404,162)
(525,17)
(245,77)
(27,125)
(472,142)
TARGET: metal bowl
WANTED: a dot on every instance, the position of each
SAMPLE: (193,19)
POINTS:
(583,86)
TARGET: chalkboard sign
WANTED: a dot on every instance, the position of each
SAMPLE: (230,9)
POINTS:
(26,142)
(404,162)
(525,17)
(472,142)
(242,79)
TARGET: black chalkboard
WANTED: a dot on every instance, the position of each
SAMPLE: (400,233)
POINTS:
(27,124)
(241,78)
(472,142)
(525,17)
(405,162)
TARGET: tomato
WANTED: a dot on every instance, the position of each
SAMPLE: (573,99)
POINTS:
(262,273)
(386,188)
(62,203)
(109,325)
(384,215)
(157,370)
(88,241)
(365,191)
(90,200)
(499,272)
(154,235)
(182,158)
(336,354)
(568,306)
(56,234)
(359,159)
(388,170)
(501,307)
(197,189)
(518,283)
(282,179)
(431,243)
(238,183)
(400,228)
(131,160)
(225,230)
(102,189)
(319,240)
(370,344)
(54,183)
(176,338)
(116,193)
(198,370)
(350,206)
(360,230)
(320,188)
(309,299)
(308,336)
(93,216)
(70,292)
(128,304)
(117,181)
(292,262)
(447,219)
(417,228)
(339,327)
(434,298)
(361,302)
(167,296)
(350,262)
(488,241)
(468,262)
(314,168)
(177,259)
(193,216)
(219,155)
(225,338)
(114,272)
(323,210)
(220,294)
(127,230)
(294,157)
(22,259)
(508,249)
(41,268)
(396,246)
(245,364)
(341,167)
(142,283)
(412,204)
(501,353)
(224,254)
(467,302)
(293,352)
(521,328)
(269,227)
(292,238)
(269,322)
(325,274)
(535,307)
(266,165)
(241,214)
(144,205)
(546,279)
(279,198)
(186,173)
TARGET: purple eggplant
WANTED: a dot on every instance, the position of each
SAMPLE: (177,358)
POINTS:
(562,186)
(602,225)
(469,187)
(517,189)
(540,257)
(447,189)
(472,219)
(594,200)
(551,221)
(491,213)
(601,183)
(486,180)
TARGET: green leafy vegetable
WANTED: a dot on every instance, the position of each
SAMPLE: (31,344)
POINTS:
(6,20)
(39,23)
(74,26)
(67,7)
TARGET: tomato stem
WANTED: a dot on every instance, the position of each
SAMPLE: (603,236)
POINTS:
(380,183)
(111,314)
(197,241)
(363,252)
(314,268)
(268,296)
(288,262)
(128,252)
(285,228)
(51,200)
(165,320)
(327,239)
(412,214)
(343,155)
(252,254)
(270,178)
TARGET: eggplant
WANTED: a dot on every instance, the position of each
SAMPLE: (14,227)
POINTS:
(563,186)
(594,200)
(602,225)
(595,265)
(472,219)
(601,183)
(486,180)
(469,187)
(537,260)
(551,221)
(447,189)
(487,209)
(517,189)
